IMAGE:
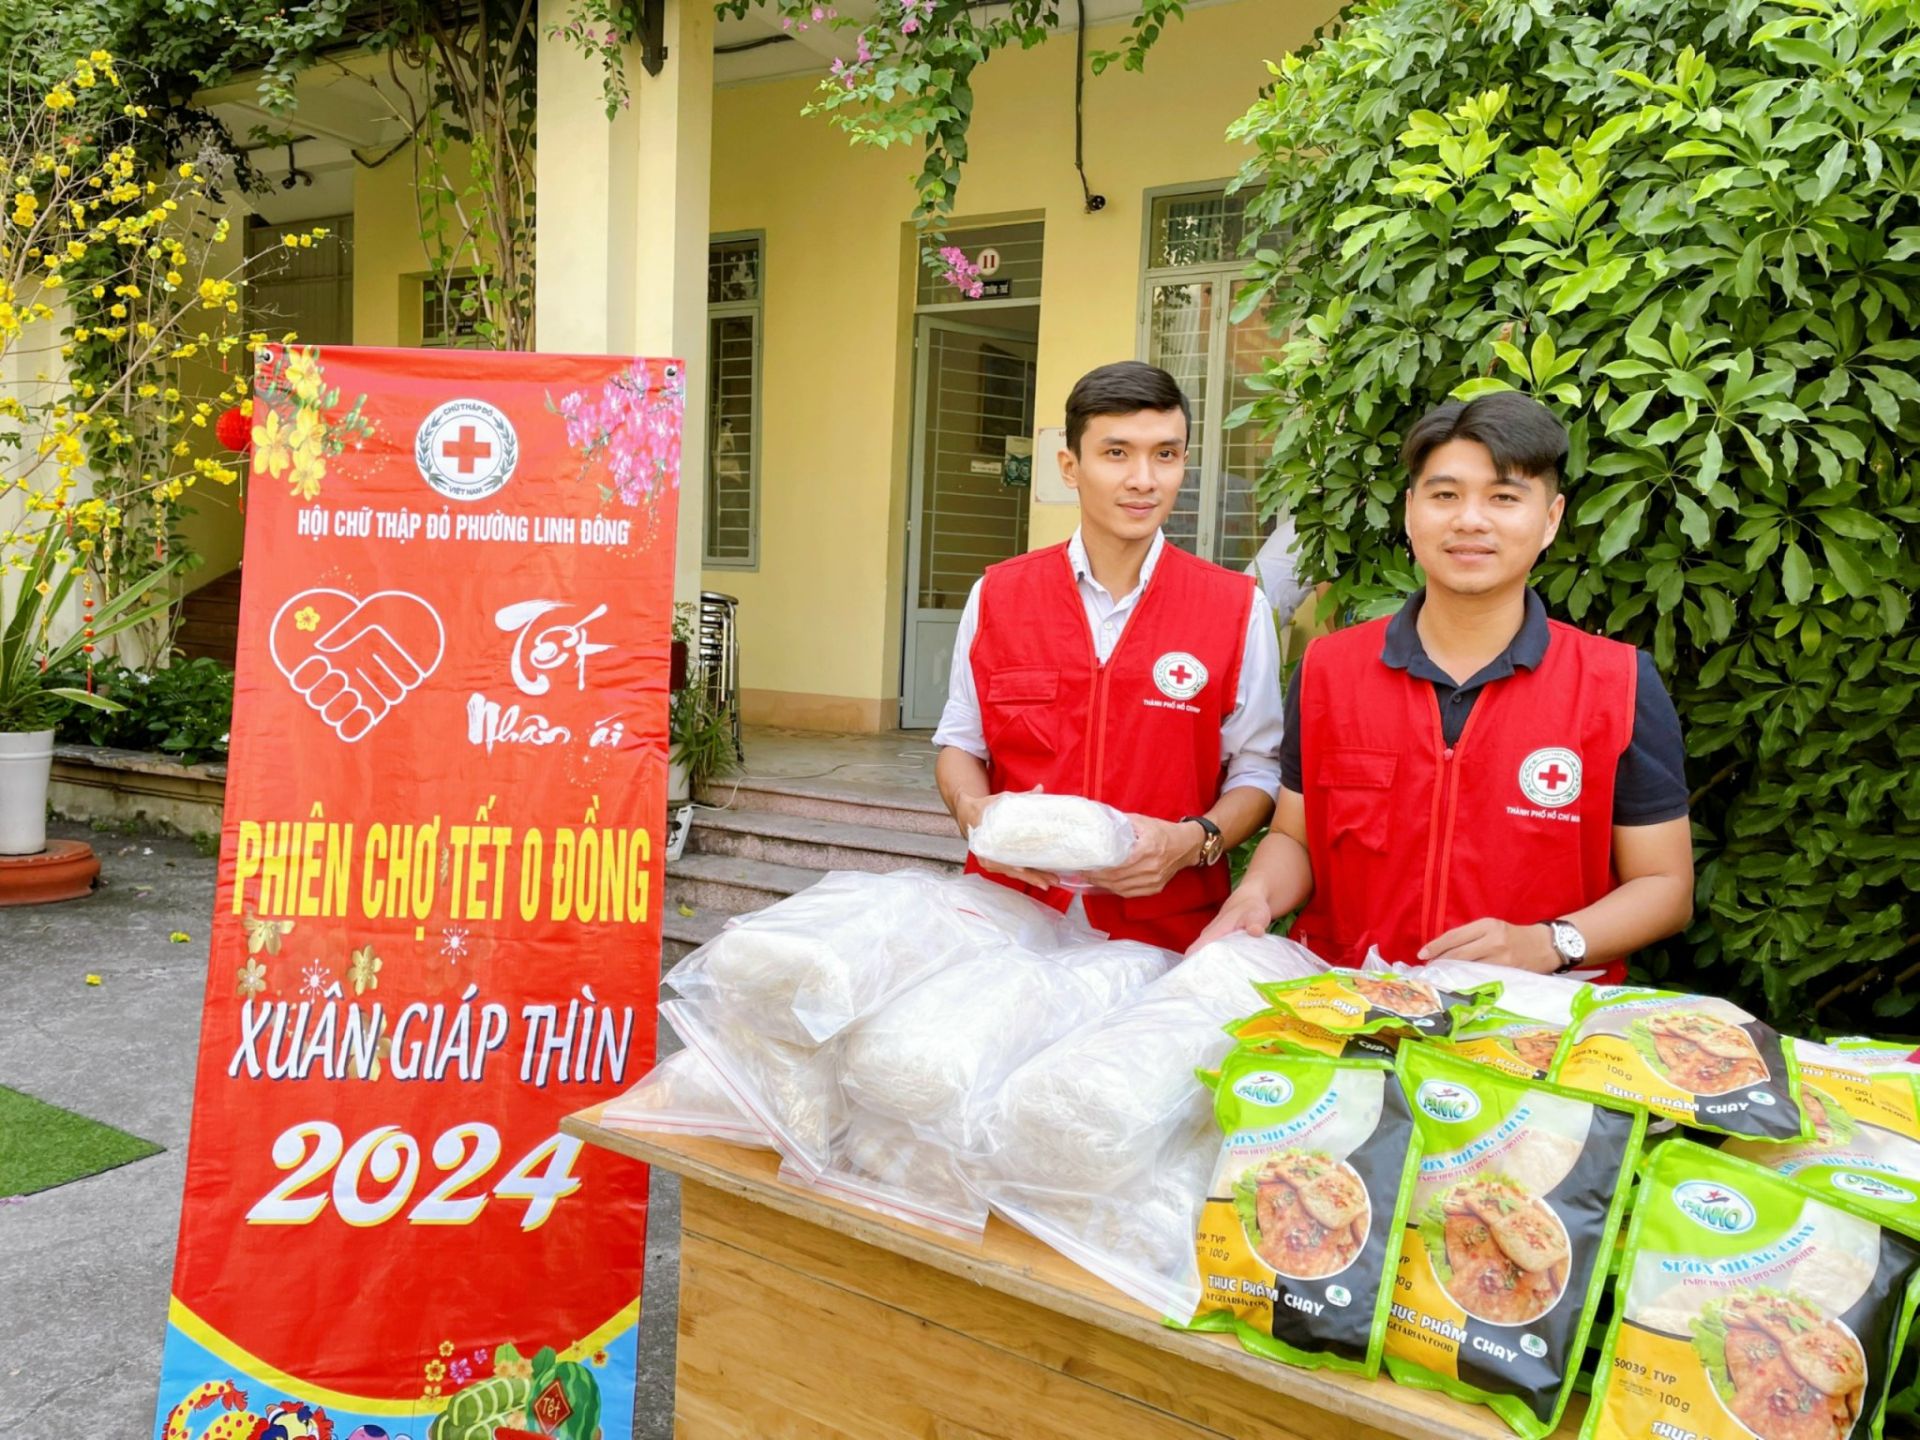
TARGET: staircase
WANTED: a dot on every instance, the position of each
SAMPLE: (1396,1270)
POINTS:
(756,841)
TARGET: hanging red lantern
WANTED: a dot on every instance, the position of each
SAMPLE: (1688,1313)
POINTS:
(234,430)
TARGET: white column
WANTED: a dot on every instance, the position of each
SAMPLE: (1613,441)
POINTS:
(621,246)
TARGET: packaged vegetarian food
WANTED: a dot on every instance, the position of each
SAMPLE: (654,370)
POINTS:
(1282,1030)
(1297,1241)
(1517,1196)
(1877,1168)
(1505,1041)
(1365,1002)
(1696,1059)
(1747,1309)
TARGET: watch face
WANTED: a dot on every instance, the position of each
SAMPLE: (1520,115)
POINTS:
(1569,941)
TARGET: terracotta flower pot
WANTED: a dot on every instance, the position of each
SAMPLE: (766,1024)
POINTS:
(26,766)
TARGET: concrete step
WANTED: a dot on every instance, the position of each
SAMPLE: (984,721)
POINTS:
(681,934)
(723,885)
(883,807)
(786,839)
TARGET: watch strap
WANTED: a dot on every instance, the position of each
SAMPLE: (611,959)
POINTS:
(1214,843)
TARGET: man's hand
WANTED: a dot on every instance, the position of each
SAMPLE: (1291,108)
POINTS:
(967,810)
(1161,850)
(1495,942)
(1245,913)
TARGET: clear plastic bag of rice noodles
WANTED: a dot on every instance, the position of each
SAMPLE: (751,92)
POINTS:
(1516,1202)
(1299,1233)
(684,1095)
(1376,1002)
(1853,1149)
(1093,1108)
(793,1091)
(881,1165)
(1507,1042)
(1062,834)
(1748,1309)
(1099,1145)
(922,1057)
(805,968)
(1696,1059)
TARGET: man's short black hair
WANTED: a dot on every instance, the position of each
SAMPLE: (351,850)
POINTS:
(1122,388)
(1523,436)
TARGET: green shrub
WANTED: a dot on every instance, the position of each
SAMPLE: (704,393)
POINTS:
(183,711)
(1692,226)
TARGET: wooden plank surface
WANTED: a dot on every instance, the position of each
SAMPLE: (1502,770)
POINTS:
(1065,1322)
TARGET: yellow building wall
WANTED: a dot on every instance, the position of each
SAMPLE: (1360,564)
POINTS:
(389,256)
(820,619)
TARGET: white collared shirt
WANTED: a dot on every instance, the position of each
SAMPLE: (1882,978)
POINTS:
(1249,736)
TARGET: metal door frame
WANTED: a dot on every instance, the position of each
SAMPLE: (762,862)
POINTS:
(924,322)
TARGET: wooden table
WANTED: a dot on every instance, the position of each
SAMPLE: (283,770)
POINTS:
(803,1316)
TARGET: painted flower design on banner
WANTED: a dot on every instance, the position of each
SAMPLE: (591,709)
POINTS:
(633,427)
(293,436)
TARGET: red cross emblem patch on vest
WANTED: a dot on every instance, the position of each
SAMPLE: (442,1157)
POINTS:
(1551,777)
(1179,676)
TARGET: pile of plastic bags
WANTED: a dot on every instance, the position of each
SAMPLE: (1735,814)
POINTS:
(929,1047)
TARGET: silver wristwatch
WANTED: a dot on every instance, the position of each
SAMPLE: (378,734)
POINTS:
(1568,943)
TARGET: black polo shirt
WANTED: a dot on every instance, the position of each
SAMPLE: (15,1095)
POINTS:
(1650,785)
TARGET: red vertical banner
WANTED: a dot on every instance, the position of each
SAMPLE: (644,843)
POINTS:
(437,924)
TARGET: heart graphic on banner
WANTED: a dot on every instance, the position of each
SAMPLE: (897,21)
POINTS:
(353,660)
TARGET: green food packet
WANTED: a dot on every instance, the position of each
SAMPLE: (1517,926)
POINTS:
(1746,1307)
(1507,1042)
(1517,1198)
(1696,1059)
(1878,1169)
(1363,1002)
(1272,1030)
(1295,1244)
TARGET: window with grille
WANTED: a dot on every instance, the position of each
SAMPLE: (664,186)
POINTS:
(734,292)
(1193,266)
(450,313)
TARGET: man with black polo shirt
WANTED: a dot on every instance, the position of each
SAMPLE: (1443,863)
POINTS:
(1468,779)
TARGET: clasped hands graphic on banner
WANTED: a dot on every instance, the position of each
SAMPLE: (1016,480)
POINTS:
(354,660)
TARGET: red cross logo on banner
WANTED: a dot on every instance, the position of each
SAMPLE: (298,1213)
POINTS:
(1551,777)
(466,448)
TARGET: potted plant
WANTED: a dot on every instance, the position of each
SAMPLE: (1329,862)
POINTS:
(29,704)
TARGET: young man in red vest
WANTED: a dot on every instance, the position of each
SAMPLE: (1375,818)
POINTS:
(1123,669)
(1469,779)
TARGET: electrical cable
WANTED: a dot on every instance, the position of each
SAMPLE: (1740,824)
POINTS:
(1095,203)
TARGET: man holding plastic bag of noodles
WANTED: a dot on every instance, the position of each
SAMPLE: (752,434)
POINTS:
(1134,685)
(1748,1309)
(1470,780)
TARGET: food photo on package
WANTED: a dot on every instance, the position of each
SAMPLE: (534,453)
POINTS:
(1276,1030)
(1515,1044)
(1749,1310)
(1696,1059)
(1517,1197)
(1877,1168)
(1297,1238)
(1878,1079)
(1368,1002)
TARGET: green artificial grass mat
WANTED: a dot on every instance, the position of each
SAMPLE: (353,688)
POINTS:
(42,1146)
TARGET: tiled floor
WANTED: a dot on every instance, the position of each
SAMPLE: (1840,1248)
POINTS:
(895,766)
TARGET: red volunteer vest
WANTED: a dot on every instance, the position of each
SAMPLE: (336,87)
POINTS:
(1141,732)
(1409,838)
